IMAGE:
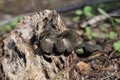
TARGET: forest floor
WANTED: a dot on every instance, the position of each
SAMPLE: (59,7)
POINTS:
(93,25)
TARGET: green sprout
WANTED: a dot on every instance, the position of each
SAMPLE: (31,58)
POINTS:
(117,20)
(14,22)
(88,11)
(76,19)
(89,33)
(80,51)
(78,13)
(10,26)
(112,35)
(107,15)
(116,46)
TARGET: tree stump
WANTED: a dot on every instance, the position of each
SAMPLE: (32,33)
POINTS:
(34,49)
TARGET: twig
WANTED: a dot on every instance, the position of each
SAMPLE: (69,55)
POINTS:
(118,56)
(108,76)
(98,18)
(111,54)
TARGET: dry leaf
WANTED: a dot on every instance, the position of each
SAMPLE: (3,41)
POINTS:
(83,67)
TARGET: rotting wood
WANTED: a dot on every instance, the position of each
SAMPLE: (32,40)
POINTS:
(25,56)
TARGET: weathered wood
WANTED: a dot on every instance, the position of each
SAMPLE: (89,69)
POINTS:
(24,56)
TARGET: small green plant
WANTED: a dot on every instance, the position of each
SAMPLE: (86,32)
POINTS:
(5,28)
(117,20)
(107,15)
(103,12)
(116,46)
(9,27)
(89,33)
(76,19)
(88,11)
(78,14)
(14,22)
(112,35)
(80,51)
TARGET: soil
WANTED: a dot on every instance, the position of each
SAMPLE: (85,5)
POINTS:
(99,65)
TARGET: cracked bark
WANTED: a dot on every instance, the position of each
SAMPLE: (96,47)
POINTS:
(23,57)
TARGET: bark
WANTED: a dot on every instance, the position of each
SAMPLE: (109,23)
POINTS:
(23,56)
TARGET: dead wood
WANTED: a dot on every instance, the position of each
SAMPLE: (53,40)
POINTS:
(24,57)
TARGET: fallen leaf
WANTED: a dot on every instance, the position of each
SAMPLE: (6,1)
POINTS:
(83,67)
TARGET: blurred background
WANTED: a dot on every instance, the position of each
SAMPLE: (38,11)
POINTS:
(15,7)
(11,9)
(72,11)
